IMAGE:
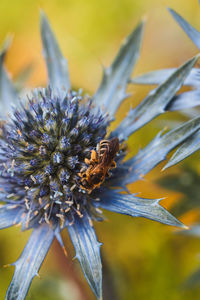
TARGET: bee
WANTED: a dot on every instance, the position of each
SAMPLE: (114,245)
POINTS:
(99,164)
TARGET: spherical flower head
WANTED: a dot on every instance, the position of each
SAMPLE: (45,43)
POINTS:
(44,147)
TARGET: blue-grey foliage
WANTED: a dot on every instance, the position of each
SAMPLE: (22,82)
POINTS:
(28,265)
(87,249)
(56,63)
(8,94)
(156,102)
(112,90)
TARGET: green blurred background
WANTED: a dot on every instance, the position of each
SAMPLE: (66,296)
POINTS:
(142,259)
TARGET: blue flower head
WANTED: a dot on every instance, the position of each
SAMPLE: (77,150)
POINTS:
(60,164)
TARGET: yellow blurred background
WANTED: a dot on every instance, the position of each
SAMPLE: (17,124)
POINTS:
(142,259)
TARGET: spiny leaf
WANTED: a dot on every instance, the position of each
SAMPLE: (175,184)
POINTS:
(28,265)
(8,94)
(87,251)
(159,76)
(56,63)
(193,34)
(155,103)
(184,100)
(10,215)
(191,145)
(137,207)
(112,90)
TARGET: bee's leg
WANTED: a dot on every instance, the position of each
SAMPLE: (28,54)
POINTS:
(98,185)
(85,186)
(83,169)
(94,156)
(87,161)
(82,174)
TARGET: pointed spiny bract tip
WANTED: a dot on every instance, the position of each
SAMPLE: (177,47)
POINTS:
(37,275)
(98,292)
(165,128)
(6,44)
(163,169)
(157,201)
(65,251)
(144,19)
(197,56)
(135,34)
(100,244)
(166,167)
(163,198)
(185,227)
(43,18)
(75,257)
(170,9)
(192,61)
(42,13)
(140,27)
(180,226)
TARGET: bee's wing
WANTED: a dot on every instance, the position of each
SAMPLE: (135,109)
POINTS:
(113,147)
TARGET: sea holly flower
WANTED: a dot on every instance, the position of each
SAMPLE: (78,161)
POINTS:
(60,164)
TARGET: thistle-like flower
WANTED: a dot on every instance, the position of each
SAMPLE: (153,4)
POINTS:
(60,164)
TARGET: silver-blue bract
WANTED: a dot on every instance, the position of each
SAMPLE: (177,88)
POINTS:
(184,100)
(43,149)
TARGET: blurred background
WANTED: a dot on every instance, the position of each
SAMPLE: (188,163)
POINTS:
(141,259)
